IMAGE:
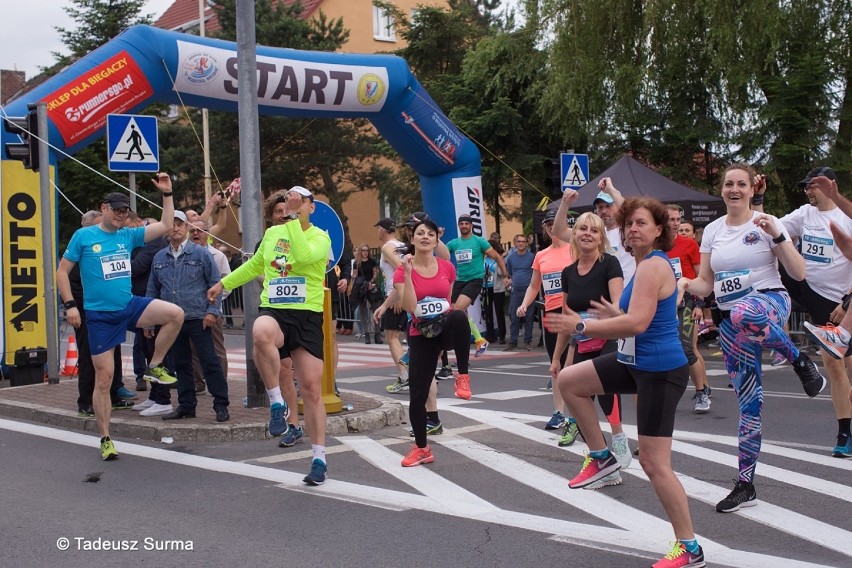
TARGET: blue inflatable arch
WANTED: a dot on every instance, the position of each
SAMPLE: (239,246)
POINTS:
(146,64)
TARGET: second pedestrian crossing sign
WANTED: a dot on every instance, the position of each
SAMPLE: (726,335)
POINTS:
(132,143)
(575,170)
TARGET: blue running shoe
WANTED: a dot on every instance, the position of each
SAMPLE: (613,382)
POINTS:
(317,474)
(843,449)
(291,437)
(278,418)
(126,394)
(556,421)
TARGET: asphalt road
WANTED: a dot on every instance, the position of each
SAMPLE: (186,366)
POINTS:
(495,496)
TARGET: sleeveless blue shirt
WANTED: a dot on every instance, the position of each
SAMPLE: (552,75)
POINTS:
(658,348)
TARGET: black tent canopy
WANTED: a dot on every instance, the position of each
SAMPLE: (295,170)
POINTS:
(634,179)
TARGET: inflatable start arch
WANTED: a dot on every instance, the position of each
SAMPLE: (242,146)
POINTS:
(146,64)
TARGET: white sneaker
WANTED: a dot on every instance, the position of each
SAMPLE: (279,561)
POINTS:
(147,403)
(613,478)
(621,450)
(157,410)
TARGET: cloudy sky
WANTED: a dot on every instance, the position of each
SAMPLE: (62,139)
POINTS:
(29,36)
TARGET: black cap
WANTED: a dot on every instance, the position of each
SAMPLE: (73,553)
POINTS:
(549,215)
(816,172)
(117,200)
(415,218)
(387,224)
(465,218)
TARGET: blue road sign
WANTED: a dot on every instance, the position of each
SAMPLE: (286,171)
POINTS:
(132,143)
(575,170)
(327,219)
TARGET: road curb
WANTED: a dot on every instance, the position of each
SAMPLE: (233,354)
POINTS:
(383,412)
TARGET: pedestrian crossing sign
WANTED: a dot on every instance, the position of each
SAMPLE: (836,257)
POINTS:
(575,170)
(132,143)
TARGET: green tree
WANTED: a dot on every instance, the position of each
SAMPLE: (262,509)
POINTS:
(690,85)
(486,77)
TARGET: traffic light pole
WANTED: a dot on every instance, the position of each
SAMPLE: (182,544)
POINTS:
(48,247)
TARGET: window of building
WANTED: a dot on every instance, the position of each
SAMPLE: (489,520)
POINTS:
(383,29)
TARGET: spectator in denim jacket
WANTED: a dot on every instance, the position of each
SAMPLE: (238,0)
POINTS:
(182,273)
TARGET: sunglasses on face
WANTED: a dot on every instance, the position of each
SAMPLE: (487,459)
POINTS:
(120,210)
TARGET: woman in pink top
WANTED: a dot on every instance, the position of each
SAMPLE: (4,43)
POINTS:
(424,283)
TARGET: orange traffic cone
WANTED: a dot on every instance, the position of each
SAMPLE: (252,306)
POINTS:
(70,369)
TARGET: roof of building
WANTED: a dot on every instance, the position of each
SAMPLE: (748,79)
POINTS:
(11,83)
(183,15)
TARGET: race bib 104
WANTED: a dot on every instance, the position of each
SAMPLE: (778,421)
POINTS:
(116,266)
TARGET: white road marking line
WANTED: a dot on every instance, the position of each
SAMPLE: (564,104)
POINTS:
(397,500)
(509,395)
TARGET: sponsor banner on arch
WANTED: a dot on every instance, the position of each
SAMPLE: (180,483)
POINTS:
(467,198)
(209,71)
(80,107)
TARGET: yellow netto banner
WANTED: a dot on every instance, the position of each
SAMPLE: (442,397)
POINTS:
(22,258)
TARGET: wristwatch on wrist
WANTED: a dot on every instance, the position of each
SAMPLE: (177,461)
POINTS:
(580,328)
(779,239)
(292,216)
(69,304)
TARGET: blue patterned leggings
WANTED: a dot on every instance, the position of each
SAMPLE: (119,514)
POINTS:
(756,322)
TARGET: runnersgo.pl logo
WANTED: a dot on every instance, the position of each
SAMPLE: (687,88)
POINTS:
(474,208)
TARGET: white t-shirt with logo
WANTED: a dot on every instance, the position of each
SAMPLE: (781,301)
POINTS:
(625,259)
(741,258)
(829,273)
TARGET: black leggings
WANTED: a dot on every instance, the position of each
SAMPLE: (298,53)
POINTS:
(423,355)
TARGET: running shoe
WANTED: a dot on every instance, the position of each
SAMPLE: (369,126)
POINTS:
(679,556)
(743,495)
(444,374)
(127,394)
(511,346)
(702,402)
(147,403)
(843,449)
(418,456)
(398,386)
(432,429)
(835,340)
(481,348)
(557,420)
(319,471)
(611,479)
(404,359)
(108,451)
(594,470)
(812,381)
(777,359)
(291,436)
(159,374)
(707,390)
(85,412)
(569,433)
(463,387)
(278,418)
(122,405)
(621,450)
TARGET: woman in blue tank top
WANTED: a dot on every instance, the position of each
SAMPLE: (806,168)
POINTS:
(649,363)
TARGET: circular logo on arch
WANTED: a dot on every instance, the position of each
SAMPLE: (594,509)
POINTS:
(200,68)
(371,89)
